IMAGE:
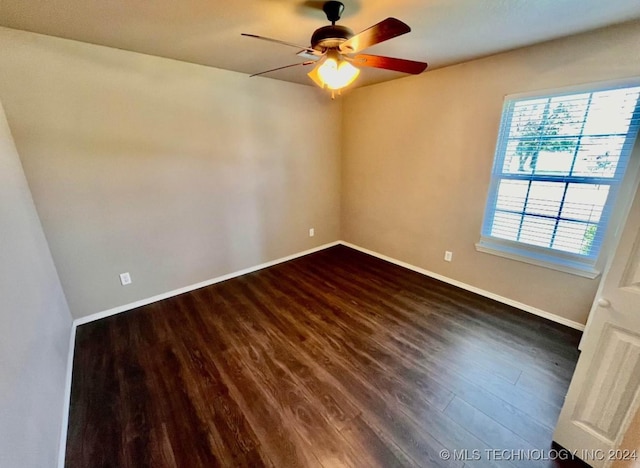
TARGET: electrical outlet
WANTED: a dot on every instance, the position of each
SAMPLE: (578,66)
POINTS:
(125,278)
(448,256)
(312,232)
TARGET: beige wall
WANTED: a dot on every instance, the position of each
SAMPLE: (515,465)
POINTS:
(179,173)
(35,325)
(417,156)
(174,172)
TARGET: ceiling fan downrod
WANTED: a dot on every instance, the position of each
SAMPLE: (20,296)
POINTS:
(333,10)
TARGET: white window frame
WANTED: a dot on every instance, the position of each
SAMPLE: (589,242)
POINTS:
(581,265)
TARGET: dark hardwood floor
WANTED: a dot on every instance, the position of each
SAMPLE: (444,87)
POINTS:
(333,359)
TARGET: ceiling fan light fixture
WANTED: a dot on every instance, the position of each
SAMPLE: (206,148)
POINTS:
(336,73)
(333,48)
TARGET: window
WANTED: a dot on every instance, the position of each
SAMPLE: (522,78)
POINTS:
(559,162)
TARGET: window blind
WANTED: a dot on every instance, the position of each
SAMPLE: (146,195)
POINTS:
(559,163)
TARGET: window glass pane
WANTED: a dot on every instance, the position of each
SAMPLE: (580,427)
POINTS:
(554,162)
(598,156)
(506,225)
(567,114)
(537,231)
(524,112)
(515,161)
(585,202)
(536,134)
(574,237)
(545,198)
(512,195)
(611,111)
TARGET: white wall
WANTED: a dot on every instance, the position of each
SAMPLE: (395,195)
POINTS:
(418,152)
(35,324)
(174,172)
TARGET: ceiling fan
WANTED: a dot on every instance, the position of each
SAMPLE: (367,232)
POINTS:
(333,47)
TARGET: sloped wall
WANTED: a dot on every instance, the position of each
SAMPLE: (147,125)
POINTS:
(35,325)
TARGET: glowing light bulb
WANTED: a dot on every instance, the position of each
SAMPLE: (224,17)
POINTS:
(337,73)
(328,71)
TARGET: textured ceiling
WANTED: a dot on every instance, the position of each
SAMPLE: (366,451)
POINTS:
(208,32)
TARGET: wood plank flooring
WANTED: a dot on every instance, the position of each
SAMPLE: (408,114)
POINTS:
(333,359)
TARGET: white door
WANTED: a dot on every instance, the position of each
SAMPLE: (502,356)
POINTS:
(605,390)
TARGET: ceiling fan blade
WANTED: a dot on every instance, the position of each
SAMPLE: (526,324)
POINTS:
(383,31)
(308,62)
(307,49)
(389,63)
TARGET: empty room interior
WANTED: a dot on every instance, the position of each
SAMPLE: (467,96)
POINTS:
(296,233)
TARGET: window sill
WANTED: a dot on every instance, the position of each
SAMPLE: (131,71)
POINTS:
(538,257)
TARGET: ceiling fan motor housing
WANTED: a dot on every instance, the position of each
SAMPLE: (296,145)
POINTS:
(329,37)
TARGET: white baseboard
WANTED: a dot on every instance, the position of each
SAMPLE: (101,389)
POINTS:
(473,289)
(62,450)
(175,292)
(460,284)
